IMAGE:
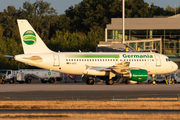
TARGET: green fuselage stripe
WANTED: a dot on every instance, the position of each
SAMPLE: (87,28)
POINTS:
(92,56)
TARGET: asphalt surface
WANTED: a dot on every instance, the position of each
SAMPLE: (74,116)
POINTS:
(81,91)
(90,111)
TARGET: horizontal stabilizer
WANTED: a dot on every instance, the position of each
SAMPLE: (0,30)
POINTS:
(8,56)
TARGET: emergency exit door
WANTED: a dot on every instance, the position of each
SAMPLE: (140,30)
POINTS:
(157,60)
(56,60)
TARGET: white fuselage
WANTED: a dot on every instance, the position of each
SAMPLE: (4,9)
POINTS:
(78,63)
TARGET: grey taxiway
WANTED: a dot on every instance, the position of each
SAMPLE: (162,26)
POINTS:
(81,91)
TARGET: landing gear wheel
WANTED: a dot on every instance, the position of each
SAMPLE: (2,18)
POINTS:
(109,82)
(154,82)
(90,82)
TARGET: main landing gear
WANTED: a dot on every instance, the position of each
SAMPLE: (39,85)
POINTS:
(153,82)
(90,81)
(109,82)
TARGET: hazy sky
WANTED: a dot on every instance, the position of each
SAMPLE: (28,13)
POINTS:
(62,5)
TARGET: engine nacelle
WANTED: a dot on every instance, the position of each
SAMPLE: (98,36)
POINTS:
(137,75)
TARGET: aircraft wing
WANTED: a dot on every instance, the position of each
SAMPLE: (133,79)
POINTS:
(120,68)
(95,69)
(123,67)
(100,68)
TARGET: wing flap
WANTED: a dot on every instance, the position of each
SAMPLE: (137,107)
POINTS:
(121,67)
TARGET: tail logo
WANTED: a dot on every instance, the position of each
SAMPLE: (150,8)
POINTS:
(29,37)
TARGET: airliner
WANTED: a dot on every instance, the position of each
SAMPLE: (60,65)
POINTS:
(135,66)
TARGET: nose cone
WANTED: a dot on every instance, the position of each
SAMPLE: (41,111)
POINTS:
(174,66)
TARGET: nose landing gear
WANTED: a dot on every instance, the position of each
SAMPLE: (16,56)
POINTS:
(153,82)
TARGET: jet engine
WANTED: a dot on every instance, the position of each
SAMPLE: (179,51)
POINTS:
(137,75)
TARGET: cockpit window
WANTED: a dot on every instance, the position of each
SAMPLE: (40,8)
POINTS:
(167,59)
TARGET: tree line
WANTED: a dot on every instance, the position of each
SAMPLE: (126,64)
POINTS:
(80,28)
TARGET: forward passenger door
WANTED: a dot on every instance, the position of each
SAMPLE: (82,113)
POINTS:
(158,60)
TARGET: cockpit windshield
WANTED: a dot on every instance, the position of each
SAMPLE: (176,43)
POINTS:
(167,59)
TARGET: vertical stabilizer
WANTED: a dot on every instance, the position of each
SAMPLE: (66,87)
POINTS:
(31,41)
